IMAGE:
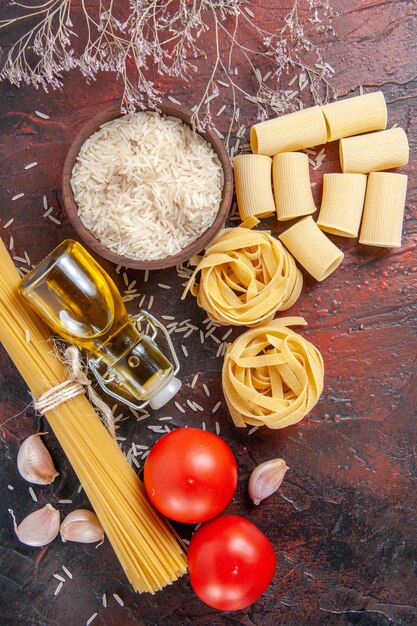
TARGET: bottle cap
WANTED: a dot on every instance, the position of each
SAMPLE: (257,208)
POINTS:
(164,394)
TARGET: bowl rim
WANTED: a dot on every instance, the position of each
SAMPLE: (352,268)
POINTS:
(165,108)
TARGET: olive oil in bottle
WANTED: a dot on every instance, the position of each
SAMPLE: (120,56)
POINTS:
(80,302)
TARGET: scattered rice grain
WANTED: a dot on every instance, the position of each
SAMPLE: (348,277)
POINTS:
(179,407)
(54,220)
(191,405)
(217,428)
(218,133)
(64,501)
(30,165)
(33,494)
(91,619)
(150,302)
(174,100)
(45,202)
(163,286)
(206,390)
(17,196)
(42,115)
(10,487)
(118,599)
(253,430)
(216,407)
(48,211)
(65,569)
(59,577)
(7,224)
(203,425)
(104,600)
(211,97)
(220,111)
(58,589)
(194,381)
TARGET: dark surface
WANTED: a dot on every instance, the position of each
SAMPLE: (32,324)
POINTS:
(344,523)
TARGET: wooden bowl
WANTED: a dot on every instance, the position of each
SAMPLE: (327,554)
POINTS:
(167,108)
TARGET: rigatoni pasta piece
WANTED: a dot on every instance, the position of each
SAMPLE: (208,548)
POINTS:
(374,152)
(311,248)
(292,189)
(354,116)
(253,185)
(384,210)
(295,131)
(342,204)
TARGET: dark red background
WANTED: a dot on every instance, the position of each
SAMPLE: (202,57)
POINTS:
(344,524)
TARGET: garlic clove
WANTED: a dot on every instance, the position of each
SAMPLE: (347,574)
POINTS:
(34,461)
(266,479)
(82,526)
(39,528)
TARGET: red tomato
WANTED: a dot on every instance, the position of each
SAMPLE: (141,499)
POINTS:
(190,475)
(230,563)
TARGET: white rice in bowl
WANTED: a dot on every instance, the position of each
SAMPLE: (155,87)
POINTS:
(146,185)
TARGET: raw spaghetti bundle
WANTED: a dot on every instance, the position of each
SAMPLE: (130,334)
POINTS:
(272,376)
(147,548)
(246,277)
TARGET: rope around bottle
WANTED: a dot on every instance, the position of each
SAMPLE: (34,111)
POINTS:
(76,384)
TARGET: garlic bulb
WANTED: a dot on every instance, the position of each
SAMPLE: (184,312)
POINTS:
(39,528)
(34,461)
(82,526)
(266,479)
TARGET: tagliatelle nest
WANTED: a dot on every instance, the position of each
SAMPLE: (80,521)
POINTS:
(272,376)
(246,277)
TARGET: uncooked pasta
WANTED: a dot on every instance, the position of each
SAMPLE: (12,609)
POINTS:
(253,185)
(312,249)
(271,375)
(353,116)
(292,189)
(383,214)
(342,204)
(148,549)
(245,278)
